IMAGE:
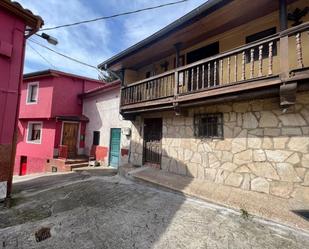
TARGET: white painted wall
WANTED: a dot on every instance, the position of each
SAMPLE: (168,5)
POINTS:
(103,113)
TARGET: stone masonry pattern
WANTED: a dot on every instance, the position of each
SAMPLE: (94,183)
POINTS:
(264,149)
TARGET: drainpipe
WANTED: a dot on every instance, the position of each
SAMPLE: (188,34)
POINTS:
(283,15)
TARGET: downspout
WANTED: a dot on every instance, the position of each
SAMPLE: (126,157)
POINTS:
(283,15)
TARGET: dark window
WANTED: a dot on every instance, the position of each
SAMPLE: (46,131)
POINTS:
(96,138)
(148,74)
(34,132)
(32,93)
(258,36)
(208,125)
(202,53)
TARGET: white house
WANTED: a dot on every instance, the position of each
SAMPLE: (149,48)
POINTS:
(107,135)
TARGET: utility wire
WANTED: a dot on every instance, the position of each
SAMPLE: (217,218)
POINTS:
(116,15)
(65,56)
(41,56)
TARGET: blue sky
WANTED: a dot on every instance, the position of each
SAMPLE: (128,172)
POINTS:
(94,42)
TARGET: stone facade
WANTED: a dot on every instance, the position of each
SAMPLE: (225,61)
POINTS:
(264,149)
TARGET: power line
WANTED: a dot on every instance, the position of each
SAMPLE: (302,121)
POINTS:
(63,55)
(41,56)
(116,15)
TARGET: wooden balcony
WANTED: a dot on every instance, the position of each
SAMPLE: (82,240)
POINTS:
(267,62)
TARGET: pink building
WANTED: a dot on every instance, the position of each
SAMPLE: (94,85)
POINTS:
(16,25)
(51,125)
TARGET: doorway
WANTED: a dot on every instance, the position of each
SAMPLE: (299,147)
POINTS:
(70,137)
(23,166)
(114,152)
(152,141)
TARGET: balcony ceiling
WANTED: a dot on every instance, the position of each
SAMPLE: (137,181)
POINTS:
(227,15)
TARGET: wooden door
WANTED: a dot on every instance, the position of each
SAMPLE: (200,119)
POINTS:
(69,138)
(114,151)
(152,141)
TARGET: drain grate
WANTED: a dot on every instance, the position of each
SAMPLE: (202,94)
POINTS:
(42,234)
(302,213)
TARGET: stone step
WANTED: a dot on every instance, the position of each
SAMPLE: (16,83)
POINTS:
(77,165)
(96,171)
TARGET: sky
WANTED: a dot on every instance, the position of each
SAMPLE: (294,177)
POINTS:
(95,42)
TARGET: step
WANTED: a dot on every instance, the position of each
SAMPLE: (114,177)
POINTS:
(77,165)
(97,171)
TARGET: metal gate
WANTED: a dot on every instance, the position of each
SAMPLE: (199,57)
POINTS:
(152,140)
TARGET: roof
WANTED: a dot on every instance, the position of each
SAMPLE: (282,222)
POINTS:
(204,9)
(56,73)
(103,89)
(31,20)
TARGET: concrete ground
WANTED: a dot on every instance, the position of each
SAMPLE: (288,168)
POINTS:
(85,211)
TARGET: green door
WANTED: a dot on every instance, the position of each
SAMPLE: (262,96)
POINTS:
(114,152)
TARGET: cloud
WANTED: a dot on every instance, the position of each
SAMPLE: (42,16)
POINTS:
(95,42)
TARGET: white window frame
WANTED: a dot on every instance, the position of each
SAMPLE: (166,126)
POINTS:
(28,130)
(28,93)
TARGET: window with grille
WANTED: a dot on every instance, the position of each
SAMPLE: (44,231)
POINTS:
(34,132)
(208,125)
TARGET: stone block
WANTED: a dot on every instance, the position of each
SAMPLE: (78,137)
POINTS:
(272,132)
(196,158)
(280,142)
(241,107)
(249,121)
(240,142)
(305,161)
(277,155)
(287,172)
(210,174)
(268,119)
(300,172)
(267,143)
(281,189)
(254,142)
(291,132)
(293,159)
(229,166)
(213,161)
(263,169)
(246,182)
(260,184)
(259,156)
(243,157)
(221,176)
(234,179)
(192,169)
(224,108)
(299,144)
(292,119)
(306,179)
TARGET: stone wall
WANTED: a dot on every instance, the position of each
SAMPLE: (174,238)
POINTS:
(263,149)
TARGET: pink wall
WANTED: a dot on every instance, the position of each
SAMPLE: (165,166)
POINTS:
(45,94)
(57,96)
(37,154)
(11,65)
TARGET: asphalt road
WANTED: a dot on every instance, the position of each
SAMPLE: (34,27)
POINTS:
(110,212)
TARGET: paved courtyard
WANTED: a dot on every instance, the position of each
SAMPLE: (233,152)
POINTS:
(110,212)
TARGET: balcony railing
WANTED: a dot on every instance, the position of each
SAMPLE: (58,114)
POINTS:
(273,56)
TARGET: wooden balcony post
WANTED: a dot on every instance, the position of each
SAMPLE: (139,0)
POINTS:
(177,47)
(284,57)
